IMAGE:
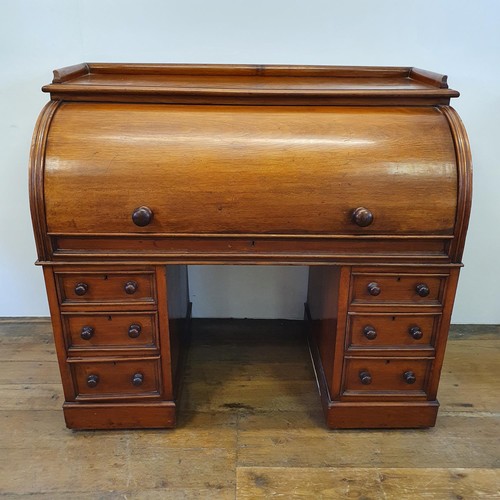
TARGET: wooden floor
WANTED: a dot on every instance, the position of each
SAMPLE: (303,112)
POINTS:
(251,426)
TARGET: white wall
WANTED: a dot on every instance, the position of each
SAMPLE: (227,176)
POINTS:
(457,37)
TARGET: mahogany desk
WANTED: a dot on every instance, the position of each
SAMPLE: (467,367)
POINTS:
(363,174)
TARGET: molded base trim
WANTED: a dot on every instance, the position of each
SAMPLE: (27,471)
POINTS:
(381,415)
(120,415)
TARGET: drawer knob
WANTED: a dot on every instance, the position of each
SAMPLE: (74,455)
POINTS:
(131,287)
(409,377)
(362,217)
(142,216)
(365,377)
(81,288)
(137,379)
(134,330)
(87,333)
(373,288)
(415,333)
(422,289)
(369,332)
(92,380)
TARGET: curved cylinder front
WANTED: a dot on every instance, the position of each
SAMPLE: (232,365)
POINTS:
(297,171)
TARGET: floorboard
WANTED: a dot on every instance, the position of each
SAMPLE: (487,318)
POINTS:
(250,426)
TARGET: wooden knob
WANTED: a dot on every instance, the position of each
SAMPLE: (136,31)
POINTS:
(92,380)
(415,332)
(422,289)
(137,379)
(365,377)
(81,288)
(134,330)
(409,377)
(131,287)
(142,216)
(87,333)
(369,332)
(362,217)
(373,288)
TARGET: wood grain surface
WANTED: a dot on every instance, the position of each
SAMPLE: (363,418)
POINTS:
(255,170)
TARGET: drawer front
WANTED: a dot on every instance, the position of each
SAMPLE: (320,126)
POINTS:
(106,287)
(397,288)
(109,379)
(249,170)
(91,331)
(386,376)
(368,331)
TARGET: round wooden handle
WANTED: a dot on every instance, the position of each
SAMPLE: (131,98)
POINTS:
(92,380)
(369,332)
(87,333)
(409,377)
(362,217)
(422,289)
(134,330)
(137,379)
(415,332)
(81,288)
(365,377)
(142,216)
(373,288)
(131,287)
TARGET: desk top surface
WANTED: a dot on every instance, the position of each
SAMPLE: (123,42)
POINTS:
(257,84)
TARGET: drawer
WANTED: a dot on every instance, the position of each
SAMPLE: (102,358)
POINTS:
(371,331)
(249,170)
(386,376)
(91,331)
(116,379)
(113,287)
(397,288)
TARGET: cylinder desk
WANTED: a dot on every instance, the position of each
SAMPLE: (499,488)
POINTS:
(361,173)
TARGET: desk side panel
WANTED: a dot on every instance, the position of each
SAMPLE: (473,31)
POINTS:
(327,310)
